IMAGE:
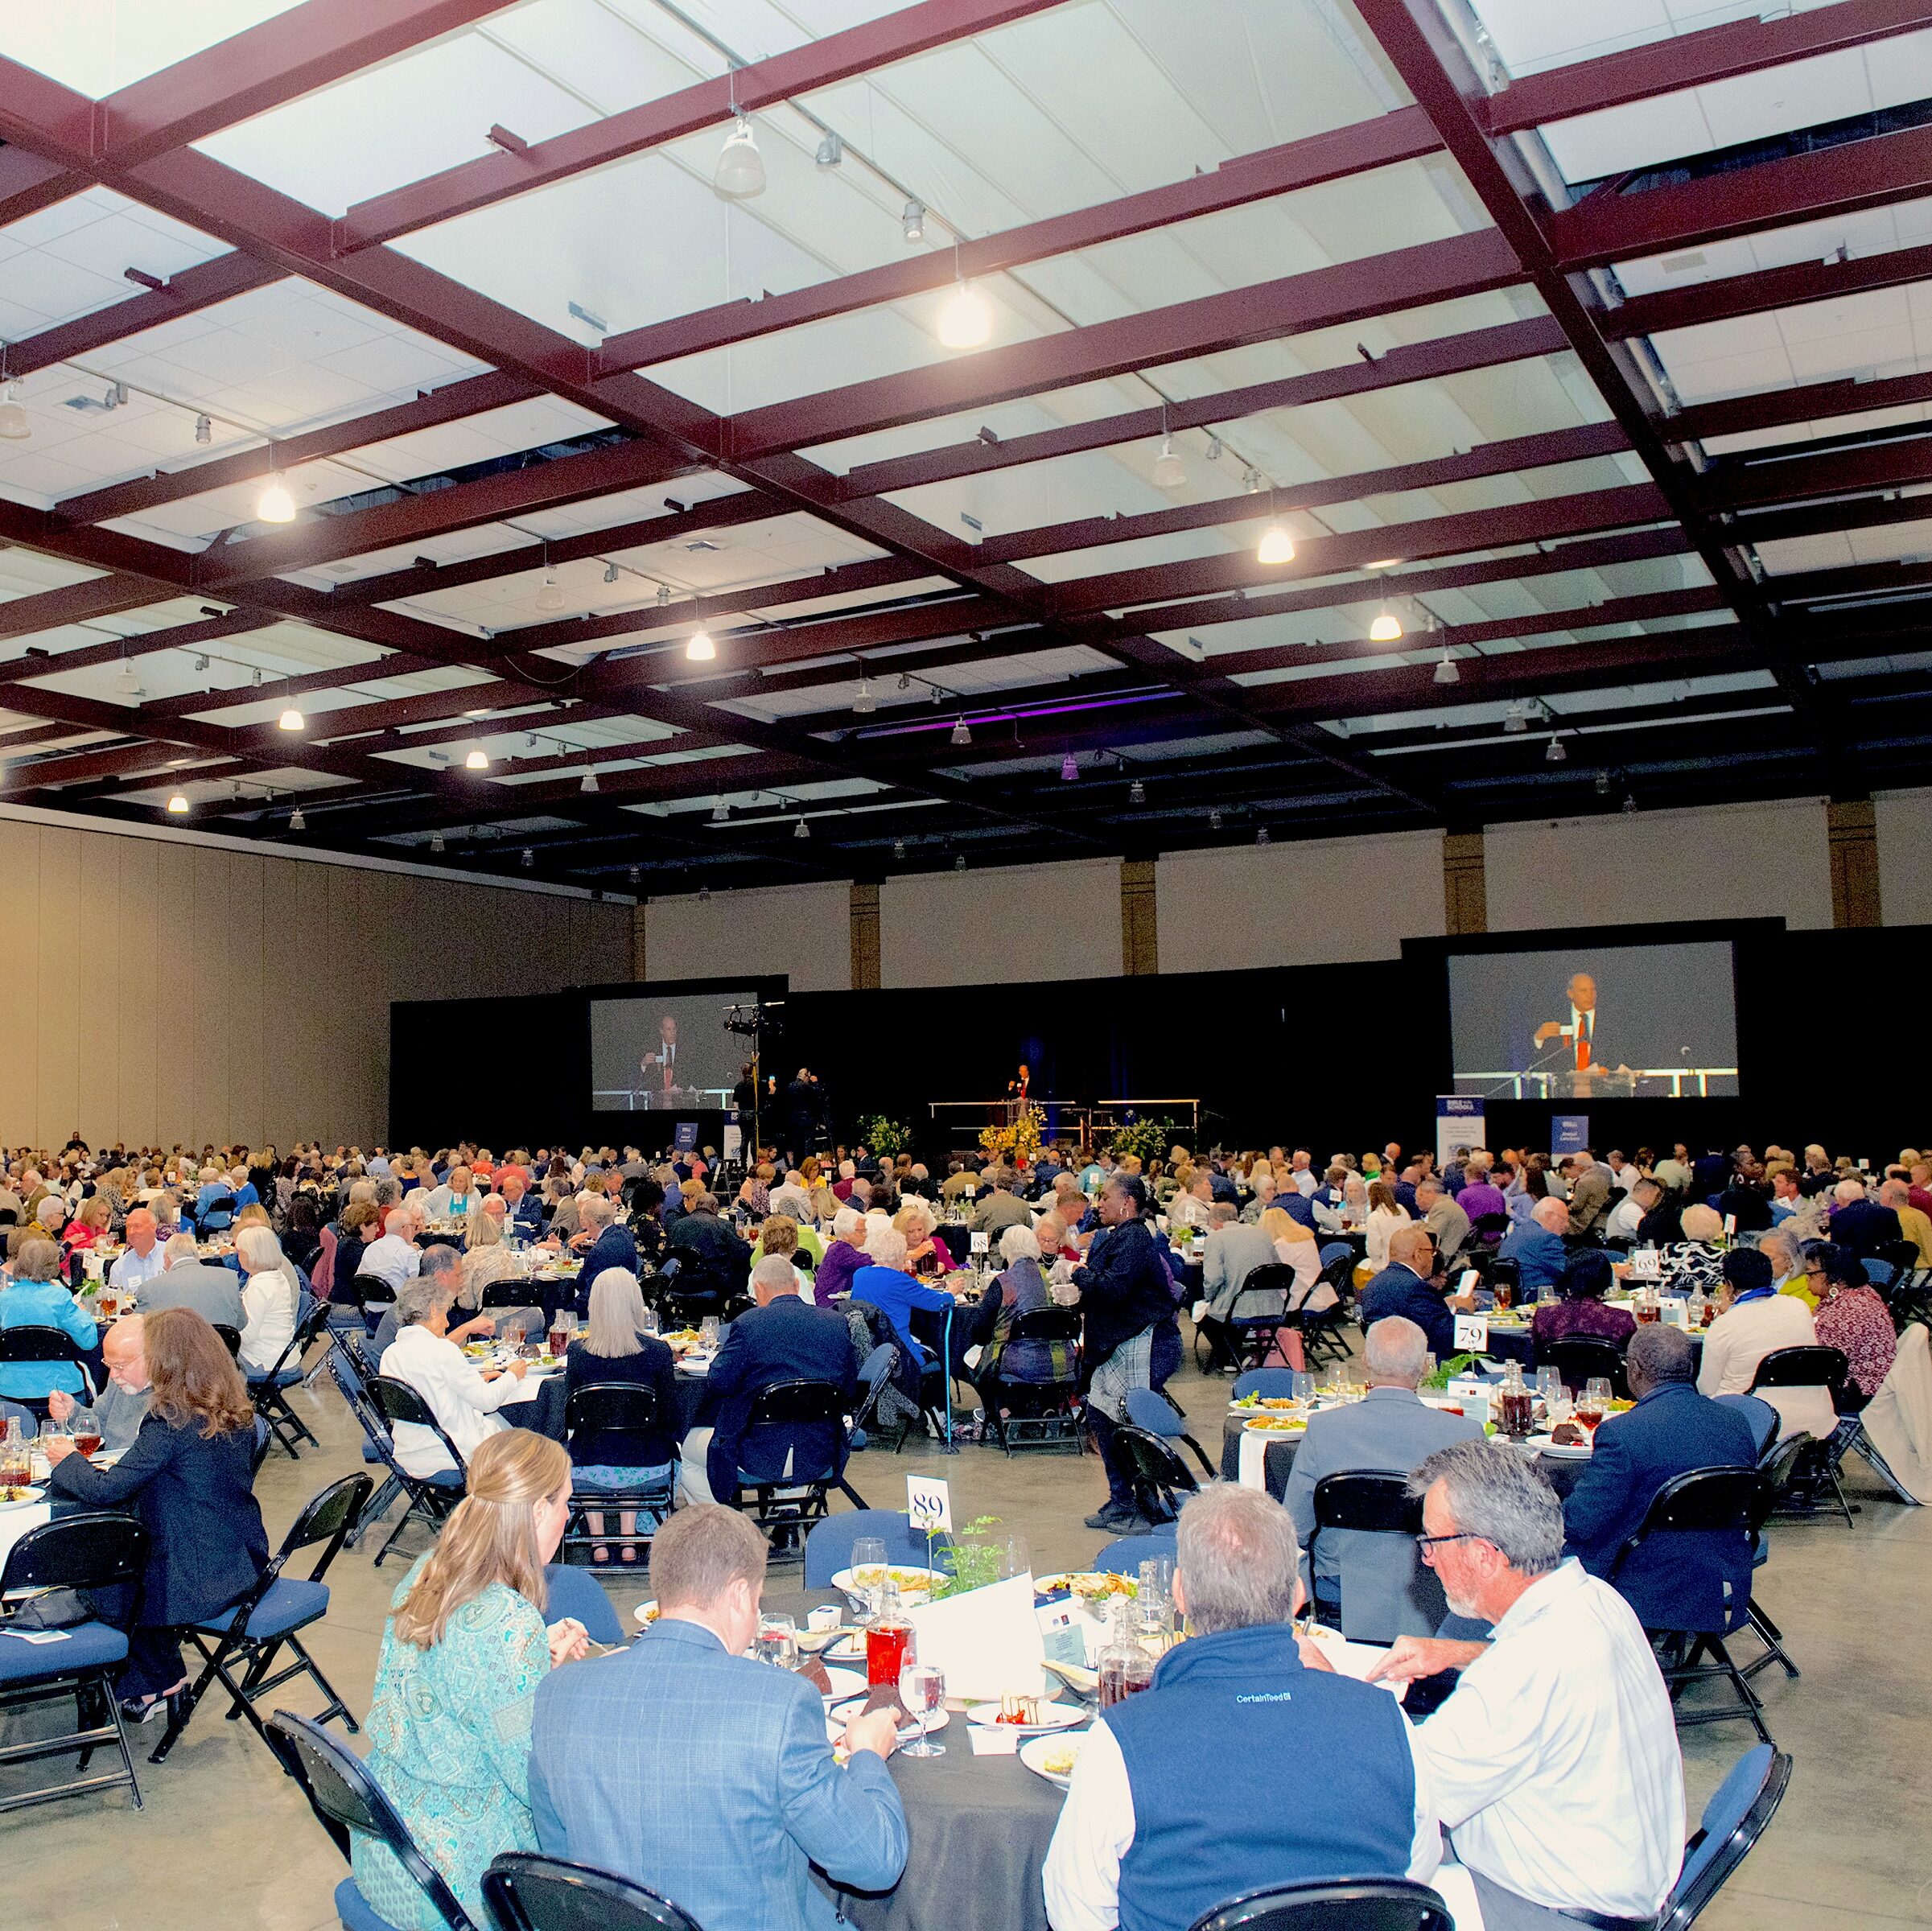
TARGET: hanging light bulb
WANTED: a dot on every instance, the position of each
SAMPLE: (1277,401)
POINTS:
(589,785)
(1554,753)
(1276,545)
(700,649)
(275,505)
(529,859)
(1387,629)
(739,174)
(436,842)
(959,862)
(127,683)
(1214,821)
(549,594)
(204,430)
(721,813)
(1170,472)
(479,760)
(178,805)
(1137,792)
(1069,768)
(1513,719)
(1445,672)
(899,848)
(966,318)
(961,734)
(802,829)
(14,425)
(291,720)
(864,701)
(296,821)
(1603,783)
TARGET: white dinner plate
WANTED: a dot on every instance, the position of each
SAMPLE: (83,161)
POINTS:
(849,1648)
(1052,1716)
(838,1715)
(1037,1750)
(845,1683)
(24,1498)
(1544,1444)
(646,1613)
(913,1581)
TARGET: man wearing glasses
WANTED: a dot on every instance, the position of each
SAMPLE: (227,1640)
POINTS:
(1554,1764)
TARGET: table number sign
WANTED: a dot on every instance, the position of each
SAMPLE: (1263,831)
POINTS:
(1471,1333)
(929,1501)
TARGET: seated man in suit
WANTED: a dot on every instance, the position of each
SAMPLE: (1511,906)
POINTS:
(1860,1223)
(683,1764)
(1378,1577)
(783,1339)
(605,1241)
(702,1242)
(1407,1286)
(1537,1247)
(1677,1579)
(212,1290)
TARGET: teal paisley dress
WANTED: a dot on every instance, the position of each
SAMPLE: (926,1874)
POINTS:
(449,1729)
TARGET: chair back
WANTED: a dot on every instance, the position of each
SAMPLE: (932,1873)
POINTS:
(828,1545)
(1275,1277)
(795,1404)
(25,1343)
(1154,1413)
(1367,1904)
(348,1800)
(1809,1367)
(1155,1466)
(508,1294)
(1736,1817)
(1702,1501)
(1338,1275)
(397,1401)
(1764,1419)
(231,1338)
(95,1550)
(1374,1504)
(306,1329)
(608,1407)
(1776,1462)
(1267,1382)
(1580,1358)
(326,1523)
(1124,1557)
(524,1891)
(572,1592)
(1046,1324)
(369,1290)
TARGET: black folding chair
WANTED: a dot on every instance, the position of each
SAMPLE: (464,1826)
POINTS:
(1817,1467)
(373,1297)
(1775,1465)
(1369,1503)
(98,1550)
(1044,1414)
(1252,1336)
(40,1347)
(1162,1480)
(231,1338)
(523,1892)
(1366,1904)
(432,1497)
(785,1505)
(1705,1501)
(1321,1336)
(605,1409)
(269,1390)
(265,1621)
(1582,1358)
(348,1802)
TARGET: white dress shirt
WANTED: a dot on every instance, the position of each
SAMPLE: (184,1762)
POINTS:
(1304,1182)
(268,1300)
(1738,1339)
(1082,1876)
(130,1269)
(1625,1217)
(393,1259)
(458,1395)
(1382,1222)
(1555,1763)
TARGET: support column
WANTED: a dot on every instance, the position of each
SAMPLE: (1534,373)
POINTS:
(1140,927)
(1852,827)
(865,937)
(1465,896)
(638,954)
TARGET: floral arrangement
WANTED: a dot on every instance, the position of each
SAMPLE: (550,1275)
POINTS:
(884,1136)
(1018,1141)
(975,1562)
(1149,1140)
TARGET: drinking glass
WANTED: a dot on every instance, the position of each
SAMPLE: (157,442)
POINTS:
(650,1317)
(1156,1578)
(1302,1386)
(1013,1557)
(921,1690)
(707,1332)
(84,1425)
(778,1641)
(868,1552)
(1595,1402)
(1550,1385)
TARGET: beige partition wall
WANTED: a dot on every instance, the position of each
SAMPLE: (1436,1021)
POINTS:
(157,990)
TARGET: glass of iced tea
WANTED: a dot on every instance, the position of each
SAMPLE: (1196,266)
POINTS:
(84,1425)
(107,1304)
(1505,1295)
(1593,1404)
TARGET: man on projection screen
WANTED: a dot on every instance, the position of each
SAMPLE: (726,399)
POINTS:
(1571,1048)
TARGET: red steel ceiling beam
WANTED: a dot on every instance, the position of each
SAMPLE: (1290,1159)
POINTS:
(1819,185)
(1404,135)
(823,63)
(29,183)
(1322,298)
(1808,402)
(185,636)
(75,603)
(1792,474)
(1677,62)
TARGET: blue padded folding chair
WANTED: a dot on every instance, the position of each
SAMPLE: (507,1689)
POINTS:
(577,1592)
(1125,1556)
(1765,1421)
(1269,1381)
(828,1545)
(1160,1414)
(1736,1817)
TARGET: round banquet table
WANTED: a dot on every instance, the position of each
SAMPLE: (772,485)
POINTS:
(1278,1461)
(1513,1344)
(977,1829)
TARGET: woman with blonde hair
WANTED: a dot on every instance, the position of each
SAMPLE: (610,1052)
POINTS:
(924,1248)
(89,1224)
(463,1652)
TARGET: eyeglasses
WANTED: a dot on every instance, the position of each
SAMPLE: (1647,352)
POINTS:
(1426,1543)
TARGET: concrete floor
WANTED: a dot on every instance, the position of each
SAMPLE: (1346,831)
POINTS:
(223,1839)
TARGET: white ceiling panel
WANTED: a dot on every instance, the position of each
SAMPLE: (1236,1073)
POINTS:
(96,46)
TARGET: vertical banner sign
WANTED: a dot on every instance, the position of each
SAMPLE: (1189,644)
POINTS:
(686,1136)
(1459,1122)
(1569,1132)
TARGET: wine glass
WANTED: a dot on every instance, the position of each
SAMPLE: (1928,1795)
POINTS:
(868,1552)
(1301,1387)
(1549,1384)
(778,1641)
(1595,1402)
(707,1333)
(921,1690)
(84,1425)
(1013,1557)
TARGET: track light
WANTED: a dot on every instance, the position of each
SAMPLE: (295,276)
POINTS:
(1214,821)
(127,683)
(529,859)
(436,843)
(1170,472)
(1263,836)
(664,595)
(1513,719)
(700,649)
(959,862)
(1214,449)
(296,821)
(831,151)
(961,734)
(275,505)
(204,430)
(634,875)
(1069,768)
(291,720)
(178,805)
(256,679)
(201,661)
(1387,629)
(14,425)
(589,786)
(549,593)
(1553,752)
(1447,671)
(739,174)
(1276,545)
(721,813)
(863,700)
(116,395)
(1137,792)
(966,318)
(610,573)
(1250,481)
(913,222)
(479,760)
(801,830)
(899,848)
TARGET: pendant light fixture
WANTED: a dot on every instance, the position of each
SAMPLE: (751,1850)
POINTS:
(1069,768)
(1445,672)
(479,759)
(589,786)
(14,425)
(961,733)
(1276,545)
(801,830)
(178,805)
(966,318)
(700,649)
(1554,753)
(1386,628)
(549,593)
(291,720)
(275,505)
(739,175)
(296,821)
(863,700)
(1169,471)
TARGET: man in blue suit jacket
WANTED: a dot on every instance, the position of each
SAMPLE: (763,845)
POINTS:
(783,1339)
(1677,1580)
(1537,1249)
(1406,1287)
(682,1763)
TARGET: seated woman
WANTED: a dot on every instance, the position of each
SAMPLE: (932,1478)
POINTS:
(615,1348)
(886,1282)
(1295,1246)
(462,1398)
(360,1225)
(1852,1319)
(268,1300)
(35,1298)
(302,1241)
(190,1477)
(781,1236)
(487,1258)
(924,1251)
(1020,1288)
(1577,1307)
(88,1226)
(1698,1259)
(843,1259)
(1386,1214)
(464,1651)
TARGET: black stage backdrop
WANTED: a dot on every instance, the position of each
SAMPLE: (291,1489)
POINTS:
(1329,1056)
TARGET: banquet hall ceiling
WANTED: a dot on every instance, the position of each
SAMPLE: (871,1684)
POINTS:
(1360,416)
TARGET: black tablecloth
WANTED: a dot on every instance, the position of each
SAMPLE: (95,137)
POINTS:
(544,1413)
(1505,1345)
(978,1826)
(1278,1461)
